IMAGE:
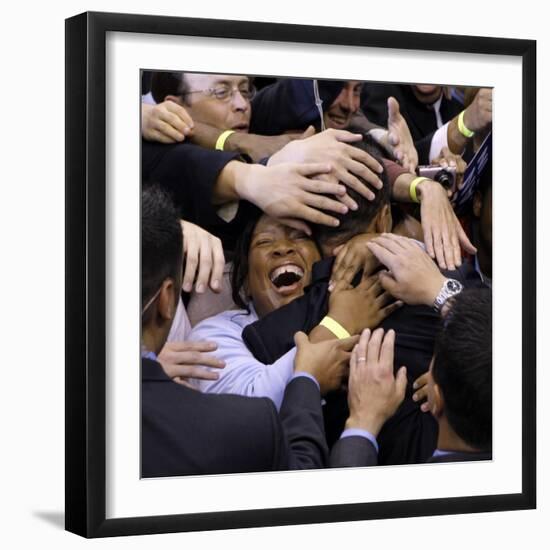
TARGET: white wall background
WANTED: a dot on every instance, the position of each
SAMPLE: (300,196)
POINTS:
(32,275)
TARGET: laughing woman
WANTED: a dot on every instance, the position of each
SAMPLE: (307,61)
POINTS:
(272,266)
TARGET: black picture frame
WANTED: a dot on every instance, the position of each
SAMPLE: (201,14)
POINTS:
(86,263)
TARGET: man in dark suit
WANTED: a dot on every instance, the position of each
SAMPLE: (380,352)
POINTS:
(186,432)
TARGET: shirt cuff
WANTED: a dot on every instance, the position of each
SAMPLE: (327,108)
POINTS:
(228,211)
(351,432)
(439,140)
(306,375)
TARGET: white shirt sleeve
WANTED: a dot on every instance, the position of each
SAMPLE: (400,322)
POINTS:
(243,373)
(439,140)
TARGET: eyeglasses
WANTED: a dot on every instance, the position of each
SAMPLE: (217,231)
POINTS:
(226,93)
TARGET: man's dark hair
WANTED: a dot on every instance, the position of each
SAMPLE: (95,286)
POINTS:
(463,367)
(165,83)
(161,241)
(357,221)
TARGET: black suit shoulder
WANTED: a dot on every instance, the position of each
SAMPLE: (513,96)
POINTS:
(188,432)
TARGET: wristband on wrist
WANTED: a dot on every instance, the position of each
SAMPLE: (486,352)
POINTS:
(222,138)
(335,327)
(462,127)
(412,188)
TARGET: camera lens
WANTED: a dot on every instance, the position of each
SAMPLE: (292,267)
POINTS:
(444,178)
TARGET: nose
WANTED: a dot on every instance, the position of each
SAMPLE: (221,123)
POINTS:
(239,102)
(283,248)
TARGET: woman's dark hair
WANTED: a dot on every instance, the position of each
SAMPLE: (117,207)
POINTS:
(239,270)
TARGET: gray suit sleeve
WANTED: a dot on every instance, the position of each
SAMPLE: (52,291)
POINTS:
(353,451)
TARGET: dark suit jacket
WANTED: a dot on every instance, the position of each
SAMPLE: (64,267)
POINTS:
(187,432)
(420,118)
(410,436)
(188,173)
(353,451)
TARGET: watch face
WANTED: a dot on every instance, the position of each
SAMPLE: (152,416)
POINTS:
(453,286)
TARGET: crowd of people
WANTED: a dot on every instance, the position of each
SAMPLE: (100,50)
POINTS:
(311,295)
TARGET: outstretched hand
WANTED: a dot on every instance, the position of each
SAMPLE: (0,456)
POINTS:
(374,393)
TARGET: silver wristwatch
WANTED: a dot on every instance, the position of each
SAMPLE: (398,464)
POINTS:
(451,287)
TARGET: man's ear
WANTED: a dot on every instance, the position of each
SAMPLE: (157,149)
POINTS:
(167,302)
(175,99)
(383,222)
(477,204)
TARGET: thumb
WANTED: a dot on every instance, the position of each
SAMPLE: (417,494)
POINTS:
(393,110)
(310,131)
(401,382)
(300,339)
(388,282)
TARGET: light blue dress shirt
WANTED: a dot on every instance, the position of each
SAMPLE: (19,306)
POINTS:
(243,373)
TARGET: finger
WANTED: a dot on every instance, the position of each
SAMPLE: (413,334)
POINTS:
(183,382)
(347,344)
(393,110)
(296,224)
(422,380)
(345,136)
(191,263)
(187,358)
(218,266)
(438,248)
(353,359)
(384,256)
(388,282)
(180,112)
(174,121)
(425,407)
(205,265)
(455,247)
(340,285)
(464,241)
(323,187)
(300,339)
(448,250)
(348,201)
(362,347)
(187,371)
(395,243)
(428,240)
(386,351)
(201,345)
(401,383)
(365,159)
(324,203)
(389,309)
(313,169)
(168,130)
(315,216)
(420,394)
(373,350)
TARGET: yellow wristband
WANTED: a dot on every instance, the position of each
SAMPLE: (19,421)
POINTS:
(412,188)
(462,127)
(222,138)
(335,327)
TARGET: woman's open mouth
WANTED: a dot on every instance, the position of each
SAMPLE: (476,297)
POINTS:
(287,279)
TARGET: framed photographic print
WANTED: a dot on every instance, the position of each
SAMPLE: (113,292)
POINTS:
(119,66)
